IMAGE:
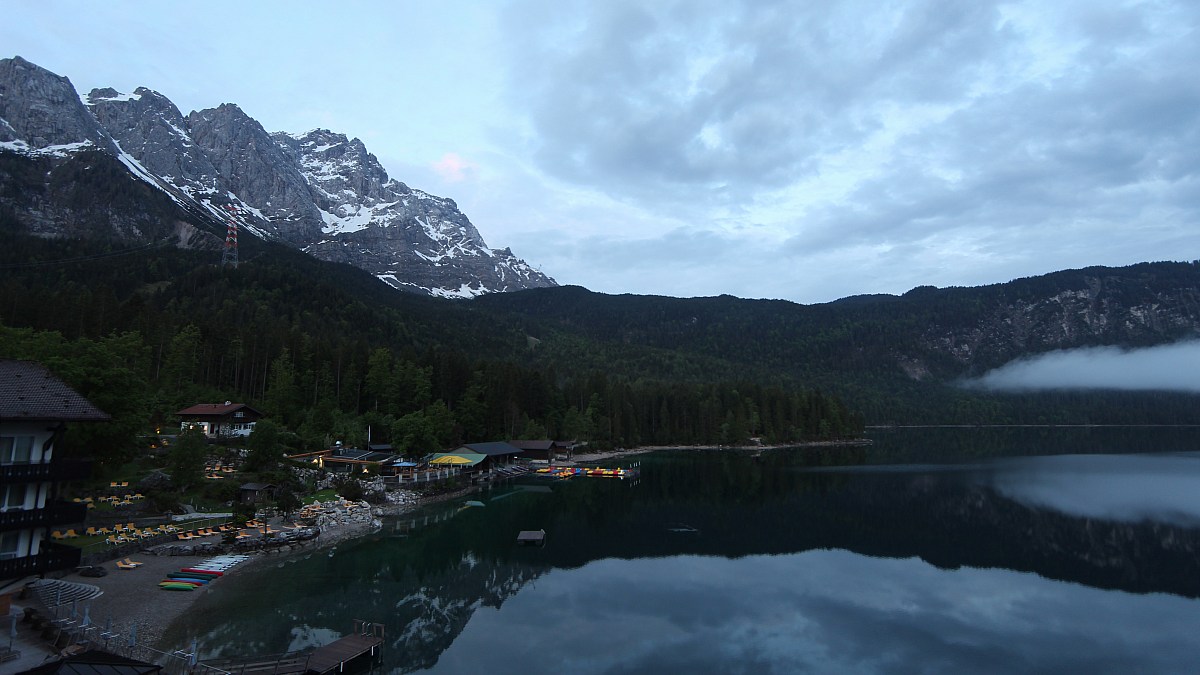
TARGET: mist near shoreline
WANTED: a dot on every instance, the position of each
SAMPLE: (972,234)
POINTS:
(1173,367)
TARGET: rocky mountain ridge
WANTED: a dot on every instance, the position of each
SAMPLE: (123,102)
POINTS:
(928,335)
(1139,306)
(319,191)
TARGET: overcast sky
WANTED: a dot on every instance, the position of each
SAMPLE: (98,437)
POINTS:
(798,150)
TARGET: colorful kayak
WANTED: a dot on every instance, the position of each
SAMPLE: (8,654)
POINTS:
(193,575)
(197,570)
(188,577)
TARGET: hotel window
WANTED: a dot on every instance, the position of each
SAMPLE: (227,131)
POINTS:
(13,498)
(15,449)
(9,541)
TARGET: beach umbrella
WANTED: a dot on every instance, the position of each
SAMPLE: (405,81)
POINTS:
(87,618)
(193,652)
(12,632)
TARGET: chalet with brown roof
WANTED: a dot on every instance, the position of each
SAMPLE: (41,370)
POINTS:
(219,419)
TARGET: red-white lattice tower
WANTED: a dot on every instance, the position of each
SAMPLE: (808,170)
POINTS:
(230,256)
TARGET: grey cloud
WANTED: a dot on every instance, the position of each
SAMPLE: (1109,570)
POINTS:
(1072,126)
(682,262)
(1169,367)
(661,102)
(1108,156)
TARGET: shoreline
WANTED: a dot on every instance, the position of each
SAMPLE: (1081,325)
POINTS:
(131,601)
(605,455)
(125,606)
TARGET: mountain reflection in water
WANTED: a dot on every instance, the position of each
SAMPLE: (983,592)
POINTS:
(987,565)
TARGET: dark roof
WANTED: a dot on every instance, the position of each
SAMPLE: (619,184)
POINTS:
(379,447)
(532,445)
(257,486)
(494,448)
(29,391)
(95,662)
(215,410)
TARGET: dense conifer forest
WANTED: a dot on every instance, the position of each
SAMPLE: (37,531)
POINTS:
(329,352)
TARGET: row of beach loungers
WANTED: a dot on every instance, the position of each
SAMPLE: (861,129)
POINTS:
(117,534)
(110,499)
(123,534)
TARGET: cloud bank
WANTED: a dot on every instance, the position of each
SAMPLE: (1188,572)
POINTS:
(907,143)
(1164,368)
(762,148)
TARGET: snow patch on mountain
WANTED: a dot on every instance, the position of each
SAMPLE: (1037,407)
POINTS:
(115,97)
(58,150)
(319,191)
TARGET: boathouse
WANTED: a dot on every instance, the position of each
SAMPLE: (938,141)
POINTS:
(498,453)
(542,450)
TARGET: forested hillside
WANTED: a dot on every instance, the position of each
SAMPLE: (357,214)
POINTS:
(328,351)
(896,358)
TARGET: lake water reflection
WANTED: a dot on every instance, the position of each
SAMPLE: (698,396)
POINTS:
(929,551)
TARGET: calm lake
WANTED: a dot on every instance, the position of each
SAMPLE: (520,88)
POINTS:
(937,550)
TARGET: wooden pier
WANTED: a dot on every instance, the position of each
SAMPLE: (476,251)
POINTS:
(367,639)
(335,655)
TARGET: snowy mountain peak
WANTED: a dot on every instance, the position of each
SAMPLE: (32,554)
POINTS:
(319,191)
(42,112)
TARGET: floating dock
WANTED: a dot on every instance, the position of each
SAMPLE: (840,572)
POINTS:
(572,471)
(531,538)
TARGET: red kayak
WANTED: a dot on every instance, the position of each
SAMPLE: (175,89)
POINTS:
(197,570)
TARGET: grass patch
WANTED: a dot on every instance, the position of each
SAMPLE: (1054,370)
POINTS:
(325,495)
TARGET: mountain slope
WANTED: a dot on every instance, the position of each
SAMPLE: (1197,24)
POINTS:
(928,333)
(894,358)
(319,192)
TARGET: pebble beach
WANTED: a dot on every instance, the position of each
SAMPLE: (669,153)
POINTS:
(131,602)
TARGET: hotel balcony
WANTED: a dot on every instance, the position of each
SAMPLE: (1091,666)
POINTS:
(52,557)
(58,471)
(55,513)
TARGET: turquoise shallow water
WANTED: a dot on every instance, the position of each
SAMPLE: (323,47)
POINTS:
(1068,550)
